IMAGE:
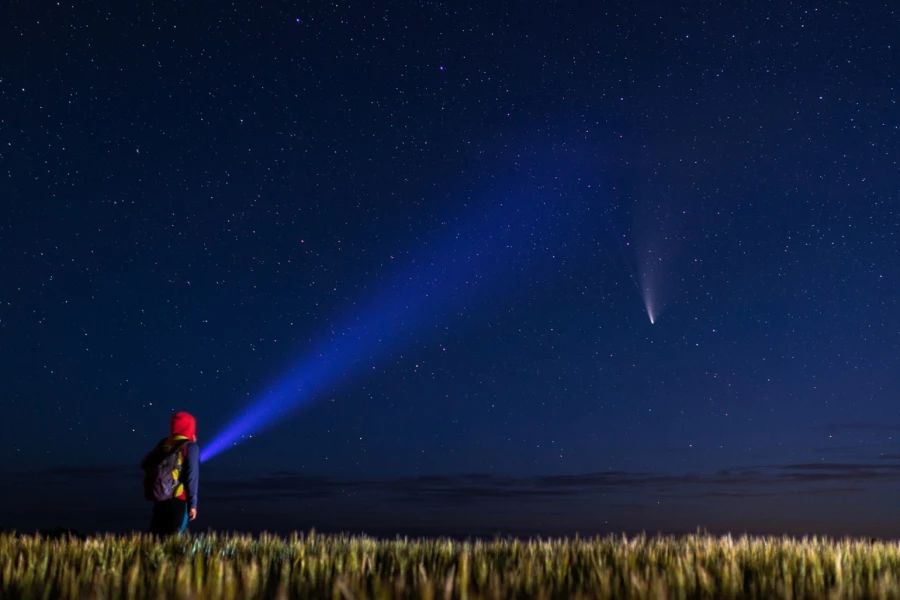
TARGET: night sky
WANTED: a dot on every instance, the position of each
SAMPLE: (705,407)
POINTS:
(454,222)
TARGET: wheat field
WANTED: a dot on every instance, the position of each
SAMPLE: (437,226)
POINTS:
(346,567)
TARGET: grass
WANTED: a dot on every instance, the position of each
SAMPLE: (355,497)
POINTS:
(345,567)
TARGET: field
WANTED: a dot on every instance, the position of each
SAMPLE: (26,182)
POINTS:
(343,567)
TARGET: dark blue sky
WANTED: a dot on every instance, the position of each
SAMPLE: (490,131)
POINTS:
(198,196)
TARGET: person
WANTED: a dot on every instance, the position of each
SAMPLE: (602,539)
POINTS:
(171,515)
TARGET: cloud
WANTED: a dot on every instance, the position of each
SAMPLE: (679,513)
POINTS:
(91,471)
(843,450)
(69,474)
(858,426)
(755,481)
(744,482)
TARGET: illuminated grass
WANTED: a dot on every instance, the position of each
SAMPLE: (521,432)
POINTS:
(312,566)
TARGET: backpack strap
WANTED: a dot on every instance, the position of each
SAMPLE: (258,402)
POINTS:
(181,447)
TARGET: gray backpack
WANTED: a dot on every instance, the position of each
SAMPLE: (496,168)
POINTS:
(159,484)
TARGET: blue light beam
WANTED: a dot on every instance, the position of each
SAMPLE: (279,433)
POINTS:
(463,266)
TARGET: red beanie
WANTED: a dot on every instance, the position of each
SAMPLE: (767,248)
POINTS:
(184,424)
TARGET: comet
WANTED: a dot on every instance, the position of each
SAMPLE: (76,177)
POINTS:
(643,248)
(647,297)
(644,278)
(650,275)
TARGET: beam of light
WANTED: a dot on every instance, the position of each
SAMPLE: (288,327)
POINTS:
(463,266)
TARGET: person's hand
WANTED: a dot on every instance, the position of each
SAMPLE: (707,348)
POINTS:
(192,514)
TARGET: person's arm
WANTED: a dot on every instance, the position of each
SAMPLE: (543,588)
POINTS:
(192,475)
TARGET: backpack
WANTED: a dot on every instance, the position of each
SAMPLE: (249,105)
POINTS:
(159,484)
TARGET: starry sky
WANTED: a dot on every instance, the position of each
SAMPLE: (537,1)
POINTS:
(198,198)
